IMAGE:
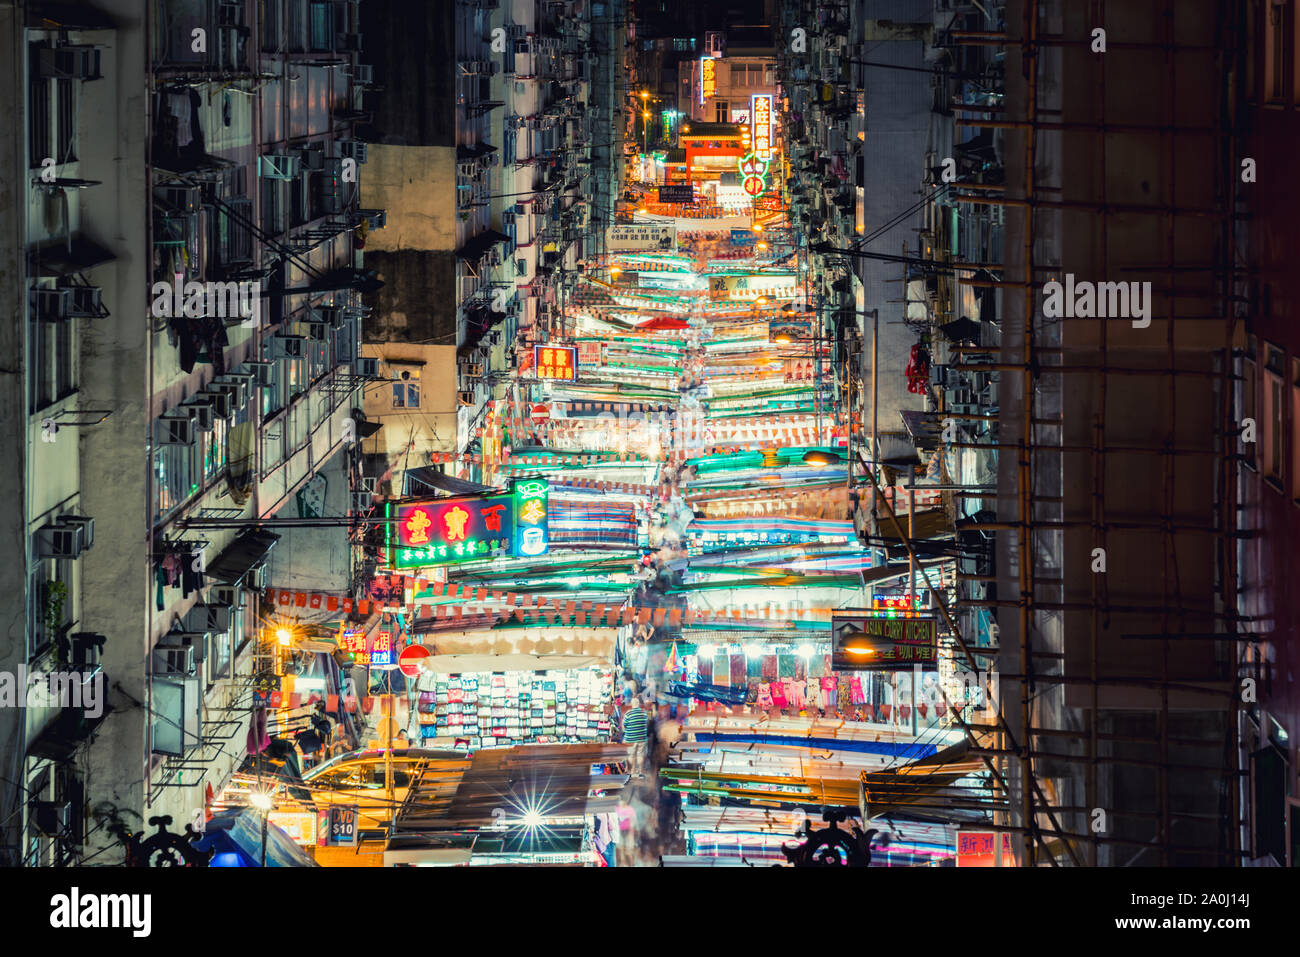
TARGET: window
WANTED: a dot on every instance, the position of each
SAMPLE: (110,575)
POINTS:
(1274,415)
(1295,429)
(38,116)
(723,116)
(176,476)
(1247,403)
(406,390)
(215,449)
(52,370)
(1275,37)
(51,591)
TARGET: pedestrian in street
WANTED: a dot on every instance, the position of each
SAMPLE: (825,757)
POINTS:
(636,730)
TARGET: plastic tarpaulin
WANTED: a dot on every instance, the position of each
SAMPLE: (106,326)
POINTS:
(236,836)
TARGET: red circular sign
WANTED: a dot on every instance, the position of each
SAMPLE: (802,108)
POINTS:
(753,185)
(540,413)
(409,660)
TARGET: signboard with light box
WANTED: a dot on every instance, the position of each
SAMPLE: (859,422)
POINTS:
(760,112)
(708,77)
(556,362)
(450,531)
(862,639)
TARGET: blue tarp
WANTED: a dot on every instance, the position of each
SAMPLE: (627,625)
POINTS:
(236,836)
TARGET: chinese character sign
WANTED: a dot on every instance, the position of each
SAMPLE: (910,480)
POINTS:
(708,77)
(381,650)
(760,112)
(531,506)
(472,528)
(556,362)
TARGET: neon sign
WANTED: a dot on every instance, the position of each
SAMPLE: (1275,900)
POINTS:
(708,78)
(472,528)
(760,112)
(556,362)
(753,172)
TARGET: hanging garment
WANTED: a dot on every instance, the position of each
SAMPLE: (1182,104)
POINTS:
(764,697)
(857,696)
(795,691)
(778,695)
(258,739)
(161,577)
(171,565)
(814,695)
(844,700)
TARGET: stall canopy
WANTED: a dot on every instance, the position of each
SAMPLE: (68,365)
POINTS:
(236,836)
(242,554)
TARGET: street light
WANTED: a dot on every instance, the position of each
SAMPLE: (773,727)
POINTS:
(819,459)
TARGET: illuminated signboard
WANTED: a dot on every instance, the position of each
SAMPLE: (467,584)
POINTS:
(453,530)
(760,111)
(556,362)
(864,640)
(381,651)
(708,78)
(753,173)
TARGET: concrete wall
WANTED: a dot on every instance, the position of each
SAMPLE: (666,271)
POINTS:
(417,187)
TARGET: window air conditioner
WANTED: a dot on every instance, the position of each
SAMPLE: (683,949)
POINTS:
(367,366)
(60,541)
(87,526)
(72,62)
(356,149)
(209,619)
(174,660)
(87,301)
(363,74)
(201,413)
(53,304)
(181,199)
(465,398)
(288,347)
(226,595)
(263,373)
(176,429)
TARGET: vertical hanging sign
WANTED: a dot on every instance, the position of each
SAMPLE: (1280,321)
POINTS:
(760,116)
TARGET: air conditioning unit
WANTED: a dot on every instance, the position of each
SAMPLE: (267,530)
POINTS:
(377,218)
(180,199)
(201,414)
(87,301)
(312,156)
(317,330)
(263,373)
(334,315)
(52,818)
(363,74)
(209,619)
(288,347)
(367,366)
(255,579)
(472,370)
(72,62)
(87,526)
(176,429)
(356,149)
(53,304)
(175,658)
(465,398)
(226,595)
(345,343)
(221,402)
(278,166)
(60,541)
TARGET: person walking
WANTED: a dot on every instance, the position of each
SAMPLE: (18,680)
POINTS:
(636,730)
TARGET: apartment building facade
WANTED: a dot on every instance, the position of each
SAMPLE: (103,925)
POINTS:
(189,316)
